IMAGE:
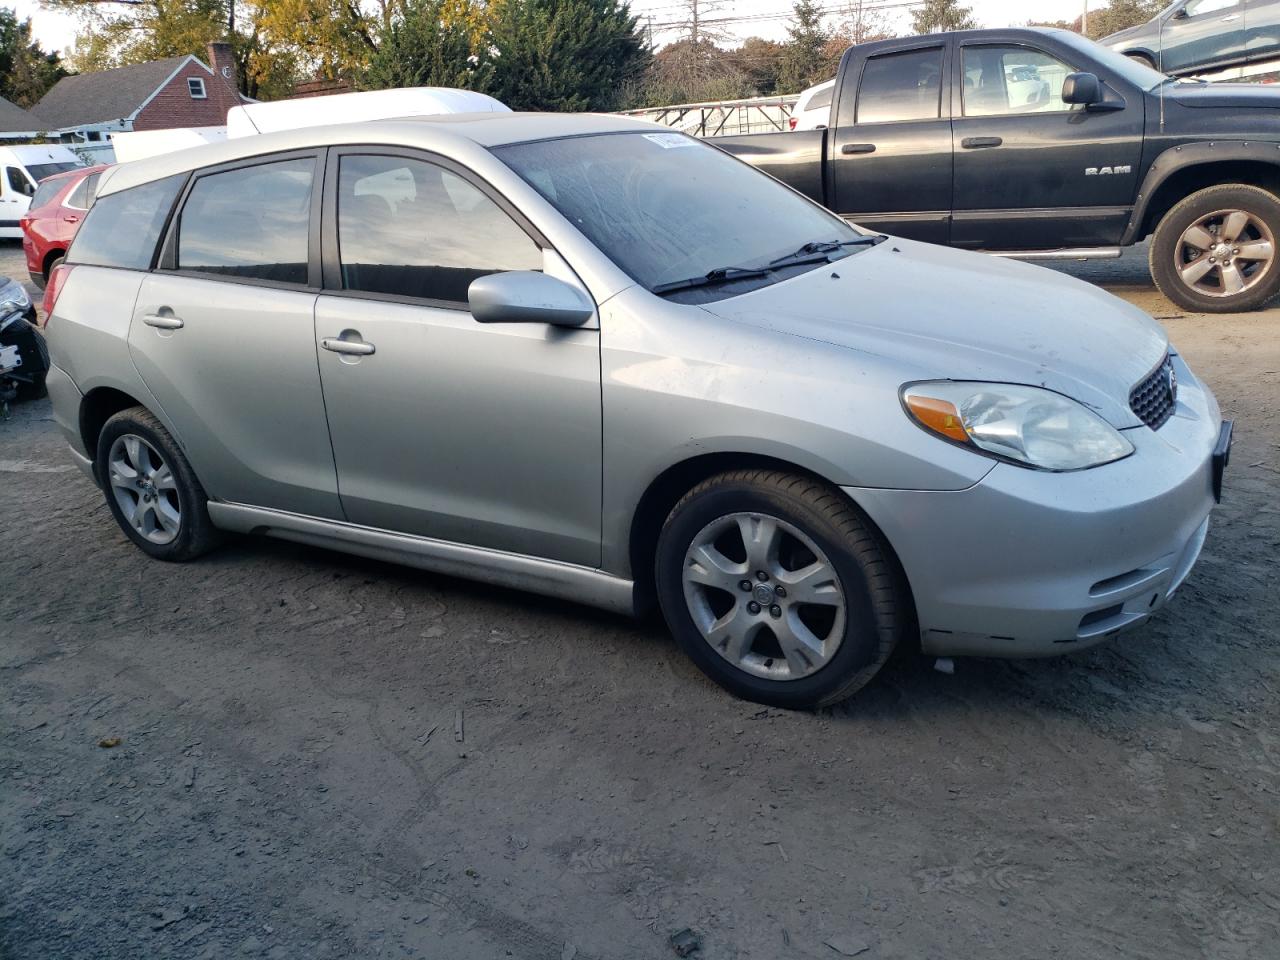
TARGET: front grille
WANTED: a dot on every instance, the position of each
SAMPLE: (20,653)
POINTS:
(1153,399)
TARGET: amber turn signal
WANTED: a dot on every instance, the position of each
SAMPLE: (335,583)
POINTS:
(940,416)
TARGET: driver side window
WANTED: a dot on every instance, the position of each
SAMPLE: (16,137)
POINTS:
(17,180)
(1198,8)
(1010,80)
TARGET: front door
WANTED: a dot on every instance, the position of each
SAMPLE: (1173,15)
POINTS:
(15,198)
(483,434)
(223,336)
(1032,172)
(1202,33)
(1262,29)
(891,148)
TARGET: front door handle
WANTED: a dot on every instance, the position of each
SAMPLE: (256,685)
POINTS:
(163,321)
(1234,16)
(72,218)
(352,348)
(858,148)
(978,143)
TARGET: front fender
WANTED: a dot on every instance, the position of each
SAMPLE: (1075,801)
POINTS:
(1187,155)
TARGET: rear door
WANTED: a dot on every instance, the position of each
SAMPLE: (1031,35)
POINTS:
(223,335)
(891,148)
(1032,172)
(1202,33)
(1262,29)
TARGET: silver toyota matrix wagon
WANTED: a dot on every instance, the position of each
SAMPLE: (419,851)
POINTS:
(590,357)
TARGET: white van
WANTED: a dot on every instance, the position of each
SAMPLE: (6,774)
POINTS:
(21,168)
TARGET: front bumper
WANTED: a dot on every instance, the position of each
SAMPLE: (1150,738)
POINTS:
(1027,563)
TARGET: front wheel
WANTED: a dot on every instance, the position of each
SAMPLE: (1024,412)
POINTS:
(1215,251)
(778,588)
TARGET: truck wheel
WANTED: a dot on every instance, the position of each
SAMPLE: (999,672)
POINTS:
(778,588)
(151,489)
(1215,252)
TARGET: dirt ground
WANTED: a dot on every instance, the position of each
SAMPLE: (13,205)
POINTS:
(290,781)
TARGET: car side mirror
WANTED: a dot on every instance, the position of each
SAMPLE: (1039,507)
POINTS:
(525,296)
(1083,88)
(1180,14)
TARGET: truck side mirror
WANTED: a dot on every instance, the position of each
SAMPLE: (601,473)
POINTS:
(1081,88)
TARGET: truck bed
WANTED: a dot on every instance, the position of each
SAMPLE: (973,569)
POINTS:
(795,158)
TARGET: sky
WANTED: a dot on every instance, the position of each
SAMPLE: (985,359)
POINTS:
(56,31)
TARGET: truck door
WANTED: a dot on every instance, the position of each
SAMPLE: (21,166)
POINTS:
(1032,172)
(1262,29)
(891,149)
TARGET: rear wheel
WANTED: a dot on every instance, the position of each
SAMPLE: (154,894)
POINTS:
(778,588)
(151,489)
(1215,252)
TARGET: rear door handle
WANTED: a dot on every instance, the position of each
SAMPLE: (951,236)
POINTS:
(353,348)
(163,321)
(73,219)
(1234,16)
(977,143)
(858,148)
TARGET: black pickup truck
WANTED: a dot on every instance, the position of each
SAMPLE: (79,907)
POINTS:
(1042,144)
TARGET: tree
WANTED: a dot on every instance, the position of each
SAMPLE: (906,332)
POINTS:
(936,16)
(1120,15)
(26,71)
(423,47)
(565,54)
(865,22)
(759,61)
(683,73)
(803,62)
(113,35)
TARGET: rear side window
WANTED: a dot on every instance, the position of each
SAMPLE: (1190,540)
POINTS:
(901,86)
(46,191)
(413,229)
(251,222)
(17,180)
(123,228)
(820,100)
(82,196)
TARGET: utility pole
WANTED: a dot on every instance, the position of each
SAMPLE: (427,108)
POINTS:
(1084,19)
(695,23)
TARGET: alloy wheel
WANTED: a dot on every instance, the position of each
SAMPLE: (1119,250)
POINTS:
(144,488)
(1224,253)
(764,596)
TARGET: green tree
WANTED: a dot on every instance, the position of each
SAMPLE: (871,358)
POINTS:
(760,61)
(935,16)
(804,62)
(1120,15)
(565,54)
(422,47)
(26,71)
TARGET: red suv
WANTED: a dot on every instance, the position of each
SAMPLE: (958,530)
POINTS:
(56,210)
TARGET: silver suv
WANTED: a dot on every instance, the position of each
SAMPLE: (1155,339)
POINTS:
(597,359)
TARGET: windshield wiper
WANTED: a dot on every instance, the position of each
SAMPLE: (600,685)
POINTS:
(817,250)
(711,277)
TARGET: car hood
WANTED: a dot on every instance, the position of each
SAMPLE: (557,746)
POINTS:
(948,314)
(1256,95)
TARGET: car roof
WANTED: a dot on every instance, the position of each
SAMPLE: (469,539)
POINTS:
(440,132)
(77,172)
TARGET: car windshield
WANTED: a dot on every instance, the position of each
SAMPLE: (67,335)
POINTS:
(1139,74)
(39,171)
(669,209)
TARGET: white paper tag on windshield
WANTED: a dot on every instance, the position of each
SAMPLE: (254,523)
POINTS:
(668,141)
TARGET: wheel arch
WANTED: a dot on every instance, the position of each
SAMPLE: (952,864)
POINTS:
(1181,171)
(47,263)
(665,491)
(98,406)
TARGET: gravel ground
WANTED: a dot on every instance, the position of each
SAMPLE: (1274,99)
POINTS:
(322,756)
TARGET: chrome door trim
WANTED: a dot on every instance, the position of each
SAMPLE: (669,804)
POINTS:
(518,571)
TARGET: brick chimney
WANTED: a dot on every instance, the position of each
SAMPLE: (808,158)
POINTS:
(223,62)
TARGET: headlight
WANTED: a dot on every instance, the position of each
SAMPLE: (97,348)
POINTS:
(1027,425)
(13,298)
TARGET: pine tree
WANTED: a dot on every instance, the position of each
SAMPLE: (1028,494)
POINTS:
(935,16)
(565,54)
(425,48)
(804,62)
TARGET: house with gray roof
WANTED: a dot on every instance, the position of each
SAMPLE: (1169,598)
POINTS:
(18,124)
(158,95)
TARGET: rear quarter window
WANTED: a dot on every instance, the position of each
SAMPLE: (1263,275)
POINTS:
(122,229)
(45,193)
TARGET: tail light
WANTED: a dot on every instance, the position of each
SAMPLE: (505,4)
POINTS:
(792,122)
(51,290)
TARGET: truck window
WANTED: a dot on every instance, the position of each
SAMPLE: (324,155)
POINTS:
(901,86)
(1011,79)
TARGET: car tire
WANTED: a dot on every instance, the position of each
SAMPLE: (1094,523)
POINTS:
(858,612)
(1193,237)
(143,471)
